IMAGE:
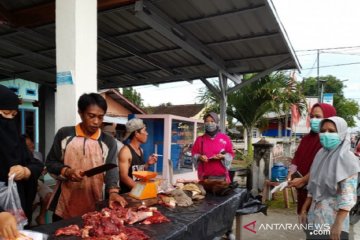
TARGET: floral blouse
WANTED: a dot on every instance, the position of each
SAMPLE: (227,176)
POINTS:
(324,212)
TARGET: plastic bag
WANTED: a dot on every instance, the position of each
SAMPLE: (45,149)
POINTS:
(251,204)
(10,202)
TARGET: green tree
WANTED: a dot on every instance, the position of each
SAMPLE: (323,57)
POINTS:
(345,108)
(249,104)
(133,96)
(168,104)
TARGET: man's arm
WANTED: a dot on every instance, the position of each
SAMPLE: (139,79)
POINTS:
(35,166)
(124,164)
(54,162)
(112,175)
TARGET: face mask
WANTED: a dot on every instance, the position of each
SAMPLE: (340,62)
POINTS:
(315,124)
(210,127)
(330,140)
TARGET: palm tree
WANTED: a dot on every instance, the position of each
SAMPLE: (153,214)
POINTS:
(248,105)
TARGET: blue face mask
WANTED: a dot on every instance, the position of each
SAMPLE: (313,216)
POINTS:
(315,124)
(210,126)
(330,140)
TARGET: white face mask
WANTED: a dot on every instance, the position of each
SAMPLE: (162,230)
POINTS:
(9,114)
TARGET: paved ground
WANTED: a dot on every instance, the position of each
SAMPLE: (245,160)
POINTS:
(279,216)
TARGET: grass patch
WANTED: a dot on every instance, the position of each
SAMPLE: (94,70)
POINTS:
(238,164)
(277,202)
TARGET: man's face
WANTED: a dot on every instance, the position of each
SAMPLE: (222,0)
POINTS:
(92,119)
(142,135)
(30,145)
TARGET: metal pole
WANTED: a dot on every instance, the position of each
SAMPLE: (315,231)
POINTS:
(223,101)
(322,93)
(318,75)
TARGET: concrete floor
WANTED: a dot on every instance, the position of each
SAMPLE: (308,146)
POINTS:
(279,216)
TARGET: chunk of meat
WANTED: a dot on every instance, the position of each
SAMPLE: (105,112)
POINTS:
(138,216)
(71,230)
(135,234)
(167,200)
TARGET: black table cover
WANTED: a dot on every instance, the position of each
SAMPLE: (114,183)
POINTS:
(206,219)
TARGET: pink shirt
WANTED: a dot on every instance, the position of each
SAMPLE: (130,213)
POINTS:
(205,145)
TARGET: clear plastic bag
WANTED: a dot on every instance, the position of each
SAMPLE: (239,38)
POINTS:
(10,201)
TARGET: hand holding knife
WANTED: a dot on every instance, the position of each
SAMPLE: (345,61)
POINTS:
(76,175)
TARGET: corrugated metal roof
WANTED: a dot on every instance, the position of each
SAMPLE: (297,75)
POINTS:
(244,35)
(20,4)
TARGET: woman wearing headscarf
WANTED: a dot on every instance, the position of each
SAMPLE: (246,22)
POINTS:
(306,151)
(332,183)
(213,152)
(15,159)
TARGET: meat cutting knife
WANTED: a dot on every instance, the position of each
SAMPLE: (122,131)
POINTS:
(100,169)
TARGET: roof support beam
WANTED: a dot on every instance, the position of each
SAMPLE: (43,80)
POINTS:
(145,81)
(155,18)
(213,74)
(211,87)
(219,43)
(130,75)
(21,65)
(197,20)
(232,12)
(259,75)
(49,60)
(45,13)
(131,50)
(41,76)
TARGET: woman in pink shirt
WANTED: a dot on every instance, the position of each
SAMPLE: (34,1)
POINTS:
(213,152)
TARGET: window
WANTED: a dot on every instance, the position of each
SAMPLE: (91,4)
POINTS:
(30,92)
(15,90)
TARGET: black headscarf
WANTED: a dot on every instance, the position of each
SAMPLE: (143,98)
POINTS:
(10,144)
(13,151)
(8,99)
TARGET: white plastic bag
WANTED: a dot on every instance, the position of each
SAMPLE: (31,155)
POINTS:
(10,201)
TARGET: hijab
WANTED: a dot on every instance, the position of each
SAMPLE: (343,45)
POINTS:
(310,143)
(10,144)
(332,166)
(215,117)
(8,99)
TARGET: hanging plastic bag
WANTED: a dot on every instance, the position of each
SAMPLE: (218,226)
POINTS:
(10,202)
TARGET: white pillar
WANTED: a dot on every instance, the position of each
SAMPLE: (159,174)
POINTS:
(76,53)
(167,171)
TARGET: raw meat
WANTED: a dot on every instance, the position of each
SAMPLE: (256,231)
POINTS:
(156,218)
(108,224)
(71,230)
(167,200)
(137,216)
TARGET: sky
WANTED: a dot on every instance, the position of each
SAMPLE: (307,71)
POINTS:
(330,25)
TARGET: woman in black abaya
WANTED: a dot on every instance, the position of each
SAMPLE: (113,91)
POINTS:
(15,159)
